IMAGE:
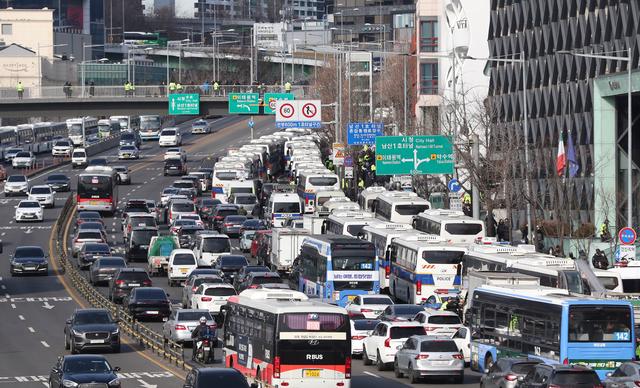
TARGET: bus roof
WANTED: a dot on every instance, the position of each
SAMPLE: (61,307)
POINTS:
(549,295)
(277,302)
(428,241)
(440,215)
(324,242)
(384,228)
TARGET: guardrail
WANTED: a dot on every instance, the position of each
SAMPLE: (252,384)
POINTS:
(146,337)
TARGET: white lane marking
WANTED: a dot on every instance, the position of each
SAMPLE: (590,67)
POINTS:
(45,344)
(372,374)
(3,233)
(7,296)
(21,317)
(45,384)
(0,278)
(31,329)
(113,236)
(3,287)
(11,222)
(13,306)
(35,299)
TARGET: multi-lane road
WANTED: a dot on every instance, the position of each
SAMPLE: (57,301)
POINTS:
(34,309)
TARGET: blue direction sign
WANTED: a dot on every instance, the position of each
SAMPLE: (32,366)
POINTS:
(627,236)
(364,133)
(348,161)
(454,185)
(251,123)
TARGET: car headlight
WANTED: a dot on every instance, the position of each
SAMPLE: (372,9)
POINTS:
(69,383)
(114,383)
(116,331)
(75,332)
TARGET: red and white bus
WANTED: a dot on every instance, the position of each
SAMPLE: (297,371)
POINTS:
(283,339)
(97,191)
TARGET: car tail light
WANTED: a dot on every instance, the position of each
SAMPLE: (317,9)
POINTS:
(387,343)
(422,357)
(253,286)
(429,328)
(180,327)
(119,282)
(441,291)
(218,217)
(565,361)
(347,368)
(387,271)
(194,288)
(276,367)
(458,356)
(146,283)
(228,224)
(418,287)
(358,337)
(205,299)
(511,377)
(557,386)
(637,383)
(366,310)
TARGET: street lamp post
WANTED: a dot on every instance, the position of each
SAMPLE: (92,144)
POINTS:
(169,43)
(40,60)
(84,47)
(627,59)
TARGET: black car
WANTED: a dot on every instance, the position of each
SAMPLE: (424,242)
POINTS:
(29,259)
(245,271)
(92,225)
(254,279)
(58,182)
(101,162)
(85,370)
(104,268)
(137,245)
(253,224)
(90,252)
(135,206)
(400,312)
(507,369)
(560,376)
(174,167)
(204,271)
(230,265)
(130,138)
(205,207)
(91,329)
(125,280)
(220,213)
(186,235)
(87,215)
(216,377)
(148,302)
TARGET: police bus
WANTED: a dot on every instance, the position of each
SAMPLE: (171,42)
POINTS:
(453,226)
(399,206)
(284,339)
(424,267)
(309,183)
(347,223)
(367,197)
(82,130)
(336,268)
(381,234)
(281,207)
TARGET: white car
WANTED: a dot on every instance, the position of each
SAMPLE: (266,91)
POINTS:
(462,338)
(79,158)
(29,210)
(24,159)
(370,306)
(11,153)
(62,148)
(360,329)
(437,322)
(181,263)
(43,194)
(194,217)
(175,154)
(381,346)
(210,296)
(170,137)
(16,184)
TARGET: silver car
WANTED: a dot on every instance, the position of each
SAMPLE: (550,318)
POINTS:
(423,355)
(122,175)
(505,372)
(181,323)
(626,375)
(128,152)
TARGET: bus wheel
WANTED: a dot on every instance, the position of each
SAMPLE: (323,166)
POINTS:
(488,361)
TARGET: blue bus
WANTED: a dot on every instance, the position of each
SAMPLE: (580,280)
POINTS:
(337,268)
(551,325)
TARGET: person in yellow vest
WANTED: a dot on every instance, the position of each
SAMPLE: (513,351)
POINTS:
(20,90)
(172,87)
(132,89)
(216,87)
(179,87)
(466,199)
(287,87)
(127,88)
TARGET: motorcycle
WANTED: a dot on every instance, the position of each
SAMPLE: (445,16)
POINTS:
(205,349)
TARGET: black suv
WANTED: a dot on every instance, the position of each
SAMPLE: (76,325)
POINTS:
(230,265)
(174,167)
(254,279)
(125,280)
(89,329)
(135,206)
(560,376)
(221,211)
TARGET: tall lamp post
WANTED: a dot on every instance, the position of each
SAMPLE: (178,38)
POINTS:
(84,48)
(169,44)
(40,61)
(522,61)
(627,59)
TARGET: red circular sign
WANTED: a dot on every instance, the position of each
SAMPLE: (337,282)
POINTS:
(309,110)
(287,110)
(627,236)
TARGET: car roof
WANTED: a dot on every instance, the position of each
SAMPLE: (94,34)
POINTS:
(431,313)
(69,357)
(217,285)
(424,338)
(41,186)
(403,324)
(265,274)
(132,269)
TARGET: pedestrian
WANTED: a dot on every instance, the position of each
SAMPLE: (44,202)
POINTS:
(205,88)
(599,260)
(172,87)
(524,229)
(20,90)
(605,234)
(539,239)
(92,89)
(163,89)
(67,89)
(216,87)
(557,251)
(287,87)
(503,231)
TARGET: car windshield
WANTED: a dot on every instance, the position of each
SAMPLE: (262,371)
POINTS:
(52,178)
(216,245)
(62,143)
(227,212)
(200,281)
(142,237)
(233,261)
(89,215)
(169,190)
(438,346)
(23,155)
(172,162)
(386,301)
(406,331)
(573,378)
(183,185)
(140,276)
(192,315)
(146,293)
(246,200)
(235,219)
(127,148)
(168,132)
(97,248)
(523,367)
(407,309)
(29,252)
(184,259)
(41,190)
(444,320)
(210,202)
(127,136)
(220,291)
(266,279)
(222,379)
(89,235)
(93,317)
(286,207)
(111,263)
(29,204)
(84,365)
(365,324)
(16,178)
(79,154)
(182,207)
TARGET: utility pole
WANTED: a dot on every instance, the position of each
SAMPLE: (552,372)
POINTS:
(404,80)
(475,193)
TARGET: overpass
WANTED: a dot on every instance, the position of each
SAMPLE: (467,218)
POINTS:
(51,101)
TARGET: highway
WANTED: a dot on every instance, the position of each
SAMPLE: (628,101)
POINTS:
(37,307)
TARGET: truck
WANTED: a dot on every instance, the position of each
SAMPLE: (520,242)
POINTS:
(160,248)
(285,247)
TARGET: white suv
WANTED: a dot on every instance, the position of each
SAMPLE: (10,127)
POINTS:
(62,148)
(43,194)
(79,158)
(210,296)
(381,346)
(28,210)
(181,263)
(437,322)
(170,137)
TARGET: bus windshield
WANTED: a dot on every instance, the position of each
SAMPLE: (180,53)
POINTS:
(75,129)
(313,322)
(348,263)
(443,257)
(463,228)
(94,186)
(149,122)
(323,181)
(286,207)
(599,324)
(407,210)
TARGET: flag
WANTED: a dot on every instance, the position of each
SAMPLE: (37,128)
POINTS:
(574,167)
(561,159)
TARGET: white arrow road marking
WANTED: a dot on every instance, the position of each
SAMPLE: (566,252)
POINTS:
(48,306)
(144,384)
(45,344)
(31,329)
(372,374)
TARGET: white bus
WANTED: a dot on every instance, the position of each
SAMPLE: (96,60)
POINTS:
(399,206)
(221,179)
(310,183)
(453,226)
(282,206)
(79,126)
(323,196)
(127,122)
(368,196)
(150,126)
(381,234)
(347,223)
(285,339)
(423,267)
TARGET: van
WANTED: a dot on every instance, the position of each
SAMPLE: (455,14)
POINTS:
(138,243)
(181,263)
(209,247)
(79,158)
(180,206)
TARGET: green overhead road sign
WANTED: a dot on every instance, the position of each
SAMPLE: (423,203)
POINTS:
(244,103)
(184,104)
(414,155)
(270,101)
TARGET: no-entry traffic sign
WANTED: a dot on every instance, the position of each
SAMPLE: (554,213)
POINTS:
(627,236)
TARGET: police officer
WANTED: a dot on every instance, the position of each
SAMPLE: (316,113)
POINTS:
(127,88)
(20,90)
(172,87)
(216,87)
(179,87)
(287,87)
(599,260)
(605,235)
